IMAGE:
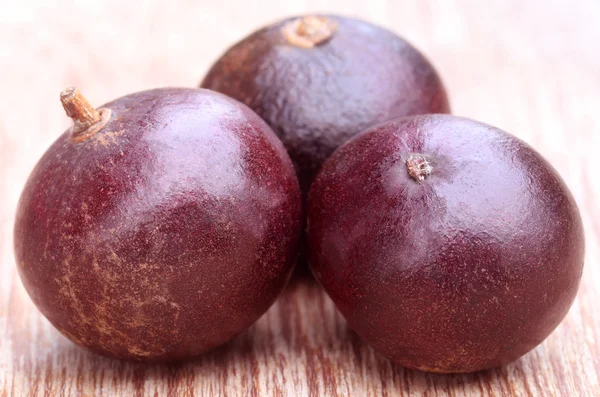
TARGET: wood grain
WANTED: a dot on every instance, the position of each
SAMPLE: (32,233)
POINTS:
(531,68)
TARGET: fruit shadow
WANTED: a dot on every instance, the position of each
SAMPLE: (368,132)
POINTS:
(393,377)
(268,345)
(301,337)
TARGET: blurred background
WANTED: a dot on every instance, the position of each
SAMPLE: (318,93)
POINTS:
(503,62)
(529,67)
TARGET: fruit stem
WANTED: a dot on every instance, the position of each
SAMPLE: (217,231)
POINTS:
(78,108)
(418,167)
(86,119)
(309,31)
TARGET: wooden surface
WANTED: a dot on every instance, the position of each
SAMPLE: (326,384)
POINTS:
(529,67)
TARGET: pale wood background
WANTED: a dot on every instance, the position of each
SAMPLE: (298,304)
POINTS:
(529,67)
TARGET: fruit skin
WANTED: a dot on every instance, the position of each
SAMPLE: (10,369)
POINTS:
(466,270)
(317,98)
(166,233)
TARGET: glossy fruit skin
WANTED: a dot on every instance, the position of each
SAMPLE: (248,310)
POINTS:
(317,98)
(164,235)
(466,270)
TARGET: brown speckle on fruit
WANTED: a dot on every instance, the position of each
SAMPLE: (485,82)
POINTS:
(109,137)
(418,167)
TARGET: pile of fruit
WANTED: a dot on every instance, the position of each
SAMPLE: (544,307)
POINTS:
(166,222)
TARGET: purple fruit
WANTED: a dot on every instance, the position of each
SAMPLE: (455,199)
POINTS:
(159,226)
(319,80)
(447,244)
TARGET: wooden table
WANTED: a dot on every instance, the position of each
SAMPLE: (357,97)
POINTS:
(531,68)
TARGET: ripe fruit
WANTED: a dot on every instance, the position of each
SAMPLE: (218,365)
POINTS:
(448,245)
(319,80)
(161,227)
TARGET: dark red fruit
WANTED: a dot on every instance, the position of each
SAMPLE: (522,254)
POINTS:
(161,227)
(448,245)
(319,80)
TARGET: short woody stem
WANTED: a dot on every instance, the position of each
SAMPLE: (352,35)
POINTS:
(78,108)
(86,119)
(309,31)
(418,166)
